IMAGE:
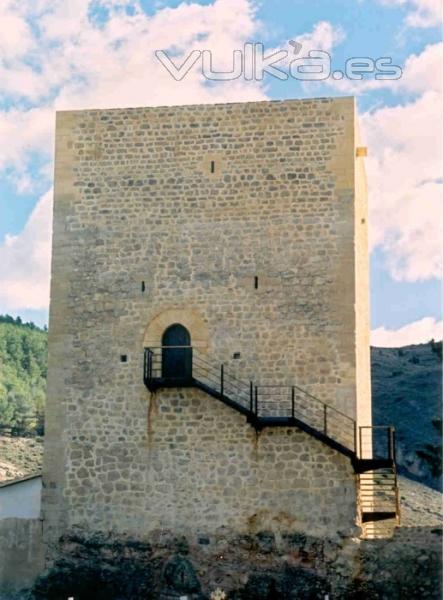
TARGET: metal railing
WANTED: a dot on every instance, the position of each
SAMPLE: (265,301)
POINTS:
(154,363)
(262,401)
(296,403)
(186,365)
(376,442)
(219,378)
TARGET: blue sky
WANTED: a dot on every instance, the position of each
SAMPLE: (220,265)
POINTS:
(95,53)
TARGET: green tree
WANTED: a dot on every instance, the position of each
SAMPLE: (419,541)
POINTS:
(23,369)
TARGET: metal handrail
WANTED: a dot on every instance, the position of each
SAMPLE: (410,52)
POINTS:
(258,399)
(323,417)
(373,442)
(296,387)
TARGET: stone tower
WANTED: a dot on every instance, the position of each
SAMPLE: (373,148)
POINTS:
(209,336)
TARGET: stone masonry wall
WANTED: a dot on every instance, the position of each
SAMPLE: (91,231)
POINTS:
(199,467)
(136,201)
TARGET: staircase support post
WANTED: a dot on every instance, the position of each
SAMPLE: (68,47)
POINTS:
(256,401)
(397,499)
(222,377)
(325,419)
(293,402)
(251,396)
(391,443)
(394,458)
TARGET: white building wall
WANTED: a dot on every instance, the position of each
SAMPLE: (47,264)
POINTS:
(21,500)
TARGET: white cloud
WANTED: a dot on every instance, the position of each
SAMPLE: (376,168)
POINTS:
(324,36)
(405,186)
(423,13)
(405,171)
(118,66)
(418,332)
(100,62)
(24,132)
(25,261)
(420,73)
(15,33)
(423,72)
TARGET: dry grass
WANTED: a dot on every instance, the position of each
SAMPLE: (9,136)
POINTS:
(19,456)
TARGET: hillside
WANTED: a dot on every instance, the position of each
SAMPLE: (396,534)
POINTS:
(406,387)
(407,393)
(20,456)
(23,366)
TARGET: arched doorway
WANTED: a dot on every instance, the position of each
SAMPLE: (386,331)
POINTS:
(176,353)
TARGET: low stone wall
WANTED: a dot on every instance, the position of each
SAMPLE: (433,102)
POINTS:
(21,554)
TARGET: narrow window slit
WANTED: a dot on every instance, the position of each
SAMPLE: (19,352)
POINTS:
(212,166)
(143,286)
(256,282)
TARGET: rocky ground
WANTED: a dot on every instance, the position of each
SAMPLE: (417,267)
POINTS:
(20,456)
(264,566)
(421,506)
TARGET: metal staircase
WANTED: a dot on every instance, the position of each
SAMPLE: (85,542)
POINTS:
(370,449)
(378,494)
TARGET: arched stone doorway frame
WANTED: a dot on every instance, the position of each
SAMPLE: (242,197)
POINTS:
(188,317)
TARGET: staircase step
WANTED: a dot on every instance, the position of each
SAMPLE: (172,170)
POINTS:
(378,516)
(363,465)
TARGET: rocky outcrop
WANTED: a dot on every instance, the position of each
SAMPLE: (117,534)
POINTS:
(249,567)
(259,565)
(98,567)
(179,579)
